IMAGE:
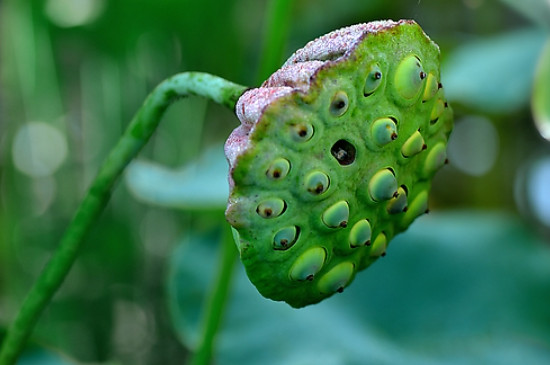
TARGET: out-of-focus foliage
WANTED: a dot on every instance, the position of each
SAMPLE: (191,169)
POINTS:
(503,77)
(541,94)
(457,288)
(71,78)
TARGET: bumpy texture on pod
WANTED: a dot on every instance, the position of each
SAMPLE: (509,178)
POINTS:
(334,156)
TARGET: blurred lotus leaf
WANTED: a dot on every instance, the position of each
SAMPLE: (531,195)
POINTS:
(536,10)
(540,103)
(494,74)
(460,288)
(201,184)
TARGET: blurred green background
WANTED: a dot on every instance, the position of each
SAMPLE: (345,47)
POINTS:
(468,284)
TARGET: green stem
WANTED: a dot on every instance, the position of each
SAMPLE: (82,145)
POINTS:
(132,141)
(215,307)
(275,35)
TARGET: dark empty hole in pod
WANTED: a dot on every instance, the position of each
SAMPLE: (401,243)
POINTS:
(344,152)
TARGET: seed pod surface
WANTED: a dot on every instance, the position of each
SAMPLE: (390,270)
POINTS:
(335,150)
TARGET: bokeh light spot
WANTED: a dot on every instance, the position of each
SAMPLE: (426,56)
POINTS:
(473,146)
(38,149)
(531,190)
(73,13)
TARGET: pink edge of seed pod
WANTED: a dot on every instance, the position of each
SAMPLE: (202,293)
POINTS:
(294,76)
(339,42)
(298,75)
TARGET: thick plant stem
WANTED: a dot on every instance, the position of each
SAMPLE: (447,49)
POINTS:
(214,310)
(134,138)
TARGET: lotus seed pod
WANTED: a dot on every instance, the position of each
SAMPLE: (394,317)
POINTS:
(334,157)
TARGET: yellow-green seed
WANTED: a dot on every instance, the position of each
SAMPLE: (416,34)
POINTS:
(360,234)
(271,208)
(413,145)
(278,169)
(379,245)
(373,81)
(337,278)
(317,182)
(409,77)
(301,132)
(339,104)
(383,131)
(432,86)
(337,215)
(308,264)
(383,185)
(399,203)
(435,159)
(418,207)
(285,238)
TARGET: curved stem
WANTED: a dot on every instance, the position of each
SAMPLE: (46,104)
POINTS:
(134,138)
(214,310)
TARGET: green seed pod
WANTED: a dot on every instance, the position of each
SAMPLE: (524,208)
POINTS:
(373,80)
(308,264)
(337,278)
(323,129)
(383,131)
(413,145)
(409,77)
(337,215)
(360,234)
(285,238)
(383,185)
